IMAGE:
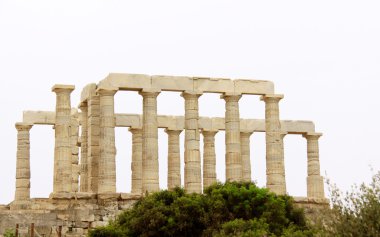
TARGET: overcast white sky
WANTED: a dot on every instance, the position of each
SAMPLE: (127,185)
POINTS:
(324,56)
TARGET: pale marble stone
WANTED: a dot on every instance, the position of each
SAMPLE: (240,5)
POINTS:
(22,192)
(172,83)
(232,137)
(127,81)
(206,84)
(93,149)
(107,162)
(246,155)
(193,176)
(137,82)
(315,186)
(39,117)
(74,137)
(209,158)
(174,161)
(254,87)
(178,122)
(275,167)
(62,160)
(84,174)
(150,176)
(136,164)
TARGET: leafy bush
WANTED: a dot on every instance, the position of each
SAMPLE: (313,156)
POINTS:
(230,209)
(240,227)
(354,213)
(109,231)
(9,233)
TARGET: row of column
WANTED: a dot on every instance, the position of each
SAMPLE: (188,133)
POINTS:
(174,169)
(314,180)
(98,170)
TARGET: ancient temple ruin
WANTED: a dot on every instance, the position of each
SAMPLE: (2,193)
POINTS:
(84,188)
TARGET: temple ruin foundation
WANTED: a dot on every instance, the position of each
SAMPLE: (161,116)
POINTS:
(84,188)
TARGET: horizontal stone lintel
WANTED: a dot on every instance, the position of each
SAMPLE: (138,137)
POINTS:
(137,82)
(178,122)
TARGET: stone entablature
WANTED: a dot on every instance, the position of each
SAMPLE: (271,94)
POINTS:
(138,82)
(89,156)
(178,122)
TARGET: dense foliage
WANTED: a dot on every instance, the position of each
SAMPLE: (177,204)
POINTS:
(231,209)
(354,213)
(9,233)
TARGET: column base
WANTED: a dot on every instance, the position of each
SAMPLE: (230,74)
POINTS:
(277,189)
(315,187)
(193,188)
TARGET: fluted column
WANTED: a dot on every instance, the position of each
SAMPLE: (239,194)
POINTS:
(84,176)
(107,165)
(193,176)
(246,155)
(93,134)
(275,167)
(22,193)
(174,159)
(232,137)
(136,164)
(209,158)
(315,187)
(150,173)
(282,137)
(62,150)
(74,135)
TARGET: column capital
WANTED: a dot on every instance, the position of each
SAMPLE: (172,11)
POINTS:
(23,126)
(107,90)
(191,94)
(175,131)
(246,132)
(209,132)
(154,92)
(271,97)
(283,134)
(83,105)
(231,96)
(134,130)
(59,88)
(312,135)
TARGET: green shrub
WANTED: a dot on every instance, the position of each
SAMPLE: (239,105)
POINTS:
(9,233)
(355,212)
(230,209)
(107,231)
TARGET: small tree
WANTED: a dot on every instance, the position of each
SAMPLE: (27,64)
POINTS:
(354,213)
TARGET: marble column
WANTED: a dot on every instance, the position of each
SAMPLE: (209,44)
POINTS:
(22,193)
(93,135)
(62,150)
(136,164)
(107,163)
(209,158)
(74,137)
(275,168)
(84,176)
(193,176)
(174,159)
(315,186)
(246,155)
(150,172)
(232,137)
